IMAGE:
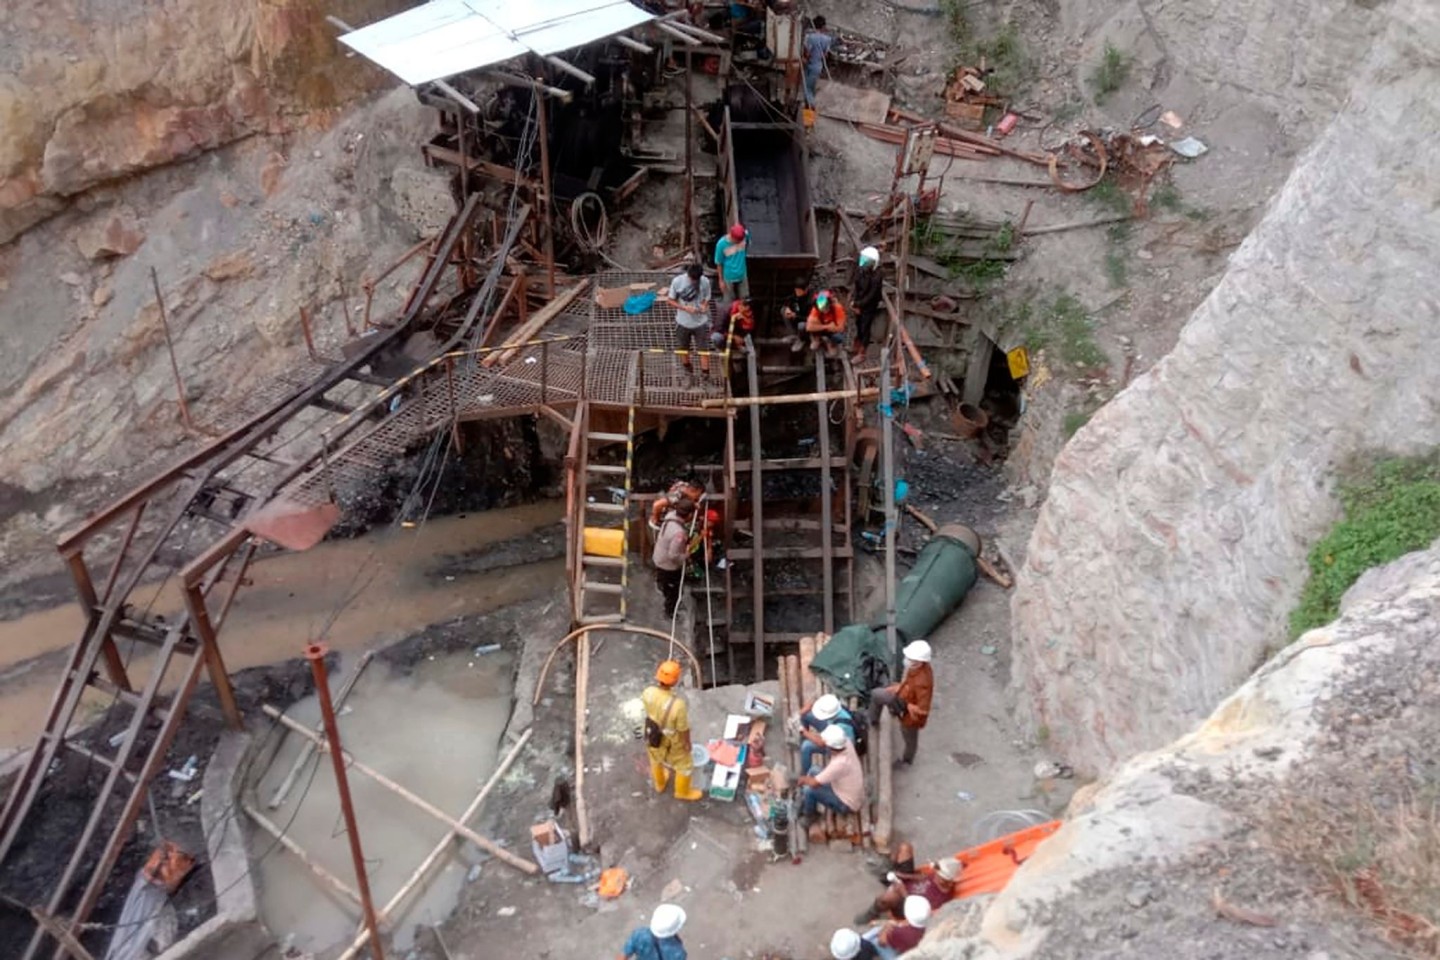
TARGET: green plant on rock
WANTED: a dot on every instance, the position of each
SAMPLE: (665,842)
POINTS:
(1074,420)
(1391,509)
(1064,327)
(1111,73)
(1008,69)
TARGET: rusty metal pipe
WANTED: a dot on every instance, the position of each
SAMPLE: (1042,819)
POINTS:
(315,653)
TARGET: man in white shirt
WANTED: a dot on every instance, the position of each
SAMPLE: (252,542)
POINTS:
(690,293)
(841,785)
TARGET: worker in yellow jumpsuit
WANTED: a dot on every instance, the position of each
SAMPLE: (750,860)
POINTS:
(667,733)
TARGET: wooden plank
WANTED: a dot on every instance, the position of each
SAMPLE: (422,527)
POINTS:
(809,686)
(536,323)
(792,553)
(856,104)
(885,793)
(796,463)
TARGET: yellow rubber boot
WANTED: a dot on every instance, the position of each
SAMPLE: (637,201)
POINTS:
(659,775)
(682,787)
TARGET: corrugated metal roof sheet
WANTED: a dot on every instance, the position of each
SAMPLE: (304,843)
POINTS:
(444,37)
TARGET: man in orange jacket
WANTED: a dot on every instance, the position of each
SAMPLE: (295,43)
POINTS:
(826,323)
(909,699)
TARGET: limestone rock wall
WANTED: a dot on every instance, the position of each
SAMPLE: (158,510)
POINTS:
(95,90)
(1172,544)
(1189,852)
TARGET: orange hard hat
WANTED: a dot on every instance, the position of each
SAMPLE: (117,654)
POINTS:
(668,672)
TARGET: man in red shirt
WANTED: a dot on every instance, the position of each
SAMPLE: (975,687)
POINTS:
(936,886)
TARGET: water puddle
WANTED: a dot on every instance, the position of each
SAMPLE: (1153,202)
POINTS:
(356,594)
(437,732)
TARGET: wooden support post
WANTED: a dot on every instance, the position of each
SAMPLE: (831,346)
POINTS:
(547,204)
(827,501)
(484,843)
(582,685)
(887,461)
(885,803)
(757,520)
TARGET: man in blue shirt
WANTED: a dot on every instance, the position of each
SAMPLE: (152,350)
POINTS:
(730,261)
(660,940)
(814,719)
(817,44)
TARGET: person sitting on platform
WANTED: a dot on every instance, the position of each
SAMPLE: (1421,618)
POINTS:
(795,308)
(898,937)
(935,884)
(846,944)
(826,324)
(826,710)
(735,328)
(840,786)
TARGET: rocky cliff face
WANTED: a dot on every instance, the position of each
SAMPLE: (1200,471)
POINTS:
(232,149)
(95,90)
(1217,845)
(1172,544)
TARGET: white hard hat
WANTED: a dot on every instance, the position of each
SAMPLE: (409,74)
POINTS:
(871,254)
(949,868)
(827,707)
(845,945)
(919,651)
(667,920)
(834,737)
(917,910)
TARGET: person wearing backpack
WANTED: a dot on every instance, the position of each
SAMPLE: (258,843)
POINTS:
(667,734)
(824,711)
(659,941)
(672,549)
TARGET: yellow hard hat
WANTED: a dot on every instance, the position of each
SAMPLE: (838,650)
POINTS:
(668,672)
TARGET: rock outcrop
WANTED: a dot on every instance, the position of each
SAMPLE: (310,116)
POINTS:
(1216,845)
(1172,544)
(88,97)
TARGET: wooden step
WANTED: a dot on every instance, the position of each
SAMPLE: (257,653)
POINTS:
(599,507)
(794,463)
(587,618)
(838,552)
(603,468)
(106,762)
(771,639)
(607,437)
(591,560)
(596,586)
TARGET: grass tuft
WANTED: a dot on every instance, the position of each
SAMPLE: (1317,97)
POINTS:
(1111,73)
(1391,509)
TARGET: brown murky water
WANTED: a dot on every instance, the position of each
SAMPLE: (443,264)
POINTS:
(353,594)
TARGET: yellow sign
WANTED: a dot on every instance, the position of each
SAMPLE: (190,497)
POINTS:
(1019,362)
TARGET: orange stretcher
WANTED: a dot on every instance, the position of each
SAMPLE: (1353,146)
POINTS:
(989,867)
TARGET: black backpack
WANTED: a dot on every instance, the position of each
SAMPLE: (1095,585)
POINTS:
(860,723)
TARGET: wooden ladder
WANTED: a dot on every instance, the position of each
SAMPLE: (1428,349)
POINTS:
(602,577)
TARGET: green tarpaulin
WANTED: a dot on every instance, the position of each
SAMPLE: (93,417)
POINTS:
(854,661)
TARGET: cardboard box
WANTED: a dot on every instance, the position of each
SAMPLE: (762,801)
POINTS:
(737,727)
(725,782)
(759,704)
(551,847)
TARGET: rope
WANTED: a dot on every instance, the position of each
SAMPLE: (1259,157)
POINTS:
(589,241)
